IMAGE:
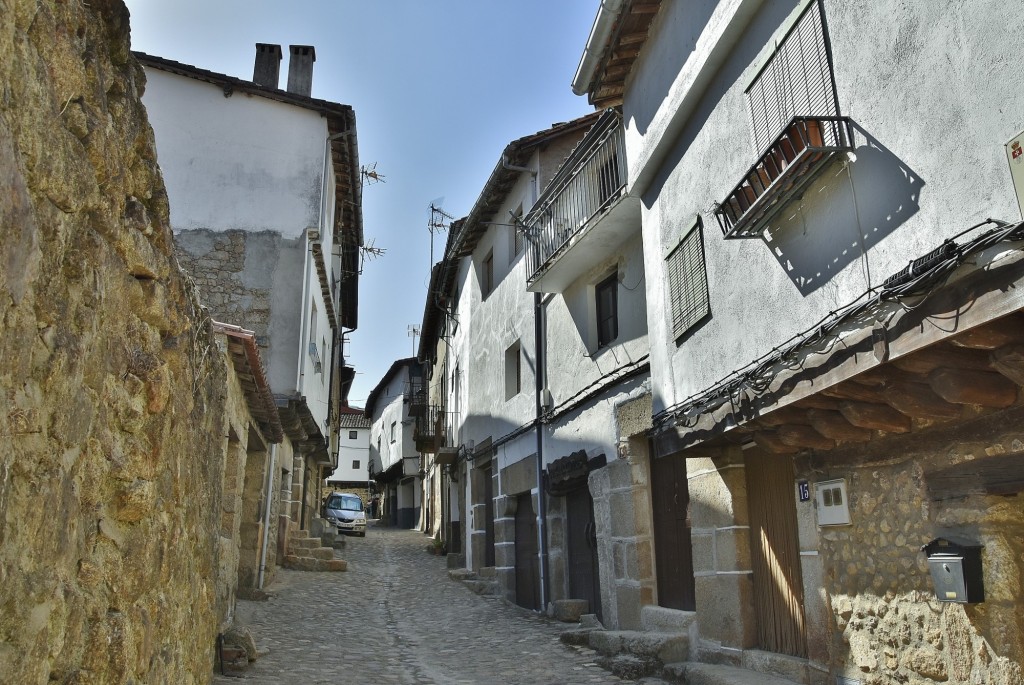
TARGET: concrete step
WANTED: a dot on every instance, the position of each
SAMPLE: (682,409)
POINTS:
(667,648)
(713,674)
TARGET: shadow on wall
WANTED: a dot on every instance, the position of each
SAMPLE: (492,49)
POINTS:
(841,216)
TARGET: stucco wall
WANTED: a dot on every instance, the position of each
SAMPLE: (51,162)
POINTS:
(929,163)
(262,161)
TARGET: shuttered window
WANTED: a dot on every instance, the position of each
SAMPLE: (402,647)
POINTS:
(795,81)
(688,281)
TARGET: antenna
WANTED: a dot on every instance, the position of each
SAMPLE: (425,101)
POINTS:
(440,220)
(414,332)
(371,175)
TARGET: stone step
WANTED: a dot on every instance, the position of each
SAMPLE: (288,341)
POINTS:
(569,610)
(487,588)
(488,572)
(322,553)
(461,574)
(630,666)
(304,543)
(665,647)
(658,619)
(310,564)
(713,674)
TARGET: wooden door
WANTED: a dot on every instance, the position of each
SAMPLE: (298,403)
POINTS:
(673,553)
(527,548)
(775,555)
(582,549)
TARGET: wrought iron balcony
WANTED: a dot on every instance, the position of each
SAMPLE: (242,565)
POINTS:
(582,205)
(791,162)
(430,431)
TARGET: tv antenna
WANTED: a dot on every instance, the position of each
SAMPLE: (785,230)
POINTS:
(371,175)
(414,332)
(440,220)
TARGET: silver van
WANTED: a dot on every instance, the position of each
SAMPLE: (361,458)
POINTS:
(345,510)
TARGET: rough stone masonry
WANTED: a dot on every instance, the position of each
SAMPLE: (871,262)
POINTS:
(111,391)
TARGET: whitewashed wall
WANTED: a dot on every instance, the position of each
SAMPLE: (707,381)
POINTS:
(926,85)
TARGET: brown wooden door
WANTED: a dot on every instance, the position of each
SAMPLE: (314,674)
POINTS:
(672,550)
(775,555)
(527,566)
(582,549)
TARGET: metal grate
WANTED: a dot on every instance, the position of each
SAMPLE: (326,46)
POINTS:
(795,81)
(688,282)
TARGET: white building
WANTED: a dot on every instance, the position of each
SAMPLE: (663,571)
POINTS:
(353,469)
(395,462)
(265,200)
(832,250)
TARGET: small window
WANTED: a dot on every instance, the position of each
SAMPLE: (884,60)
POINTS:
(393,431)
(513,371)
(606,294)
(487,275)
(688,282)
(355,464)
(353,435)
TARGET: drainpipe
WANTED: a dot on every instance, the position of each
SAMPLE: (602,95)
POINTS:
(266,516)
(542,509)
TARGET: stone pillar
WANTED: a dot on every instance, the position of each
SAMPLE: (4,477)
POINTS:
(625,539)
(721,548)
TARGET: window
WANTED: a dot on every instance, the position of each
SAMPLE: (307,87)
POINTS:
(393,424)
(355,464)
(353,435)
(487,274)
(796,80)
(513,371)
(688,281)
(606,295)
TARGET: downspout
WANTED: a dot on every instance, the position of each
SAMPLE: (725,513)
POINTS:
(542,509)
(266,516)
(305,487)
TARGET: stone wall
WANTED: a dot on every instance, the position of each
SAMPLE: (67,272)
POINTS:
(113,390)
(886,624)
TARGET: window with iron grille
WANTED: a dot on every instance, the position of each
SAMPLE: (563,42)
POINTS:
(606,296)
(795,81)
(688,281)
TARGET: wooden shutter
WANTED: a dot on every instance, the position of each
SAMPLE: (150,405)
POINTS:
(688,282)
(795,81)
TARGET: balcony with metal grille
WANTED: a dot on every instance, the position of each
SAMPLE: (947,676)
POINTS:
(430,431)
(794,159)
(585,214)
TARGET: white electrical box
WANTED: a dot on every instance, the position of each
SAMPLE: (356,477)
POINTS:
(832,503)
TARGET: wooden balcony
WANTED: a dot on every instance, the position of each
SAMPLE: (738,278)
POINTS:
(430,430)
(801,152)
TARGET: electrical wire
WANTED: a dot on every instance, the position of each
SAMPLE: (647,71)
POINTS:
(758,375)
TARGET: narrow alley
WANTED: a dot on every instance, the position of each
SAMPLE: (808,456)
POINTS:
(395,617)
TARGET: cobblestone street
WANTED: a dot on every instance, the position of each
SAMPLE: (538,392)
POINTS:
(396,617)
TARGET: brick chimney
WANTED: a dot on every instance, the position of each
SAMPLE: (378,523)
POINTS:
(300,69)
(267,71)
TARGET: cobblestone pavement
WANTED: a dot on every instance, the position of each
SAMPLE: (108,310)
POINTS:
(396,617)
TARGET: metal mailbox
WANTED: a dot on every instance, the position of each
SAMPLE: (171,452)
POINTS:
(956,571)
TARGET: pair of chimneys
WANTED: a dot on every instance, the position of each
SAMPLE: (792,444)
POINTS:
(267,71)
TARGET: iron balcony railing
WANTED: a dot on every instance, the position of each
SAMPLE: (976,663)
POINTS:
(432,429)
(586,185)
(790,163)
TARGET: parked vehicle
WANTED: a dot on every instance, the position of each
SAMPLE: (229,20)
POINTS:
(345,510)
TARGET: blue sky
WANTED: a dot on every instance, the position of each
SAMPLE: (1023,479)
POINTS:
(439,88)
